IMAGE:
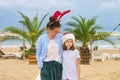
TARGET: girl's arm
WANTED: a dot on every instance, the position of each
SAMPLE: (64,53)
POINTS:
(78,67)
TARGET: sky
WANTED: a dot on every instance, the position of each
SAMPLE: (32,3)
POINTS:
(107,10)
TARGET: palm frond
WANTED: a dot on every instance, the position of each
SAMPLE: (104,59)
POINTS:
(40,32)
(26,22)
(35,22)
(42,20)
(76,19)
(72,24)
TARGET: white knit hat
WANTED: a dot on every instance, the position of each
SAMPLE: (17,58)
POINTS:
(68,36)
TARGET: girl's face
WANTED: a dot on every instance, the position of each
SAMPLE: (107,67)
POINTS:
(69,43)
(54,32)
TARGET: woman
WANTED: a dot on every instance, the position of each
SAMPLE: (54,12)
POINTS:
(49,52)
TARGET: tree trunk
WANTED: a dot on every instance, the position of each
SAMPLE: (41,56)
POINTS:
(85,55)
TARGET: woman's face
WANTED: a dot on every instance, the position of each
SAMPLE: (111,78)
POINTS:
(54,32)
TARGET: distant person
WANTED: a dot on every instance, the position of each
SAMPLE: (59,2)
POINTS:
(95,47)
(23,48)
(71,58)
(49,49)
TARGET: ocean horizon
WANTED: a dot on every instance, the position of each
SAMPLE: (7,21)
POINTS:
(100,43)
(13,43)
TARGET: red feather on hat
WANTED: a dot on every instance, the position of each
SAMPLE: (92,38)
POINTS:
(58,15)
(63,13)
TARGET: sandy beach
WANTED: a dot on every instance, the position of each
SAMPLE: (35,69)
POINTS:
(16,69)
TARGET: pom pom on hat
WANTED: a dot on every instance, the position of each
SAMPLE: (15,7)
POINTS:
(67,36)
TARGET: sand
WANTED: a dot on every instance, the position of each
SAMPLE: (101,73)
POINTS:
(16,69)
(11,50)
(109,70)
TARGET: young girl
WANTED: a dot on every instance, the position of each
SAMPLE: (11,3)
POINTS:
(71,58)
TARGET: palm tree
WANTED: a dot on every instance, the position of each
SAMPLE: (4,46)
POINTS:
(84,31)
(33,28)
(31,34)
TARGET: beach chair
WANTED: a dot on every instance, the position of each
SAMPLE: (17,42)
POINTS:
(4,55)
(18,55)
(96,55)
(115,56)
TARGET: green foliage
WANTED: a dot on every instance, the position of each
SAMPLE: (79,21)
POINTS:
(30,51)
(83,29)
(101,35)
(32,28)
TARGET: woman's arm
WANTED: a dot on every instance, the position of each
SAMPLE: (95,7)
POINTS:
(38,51)
(78,67)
